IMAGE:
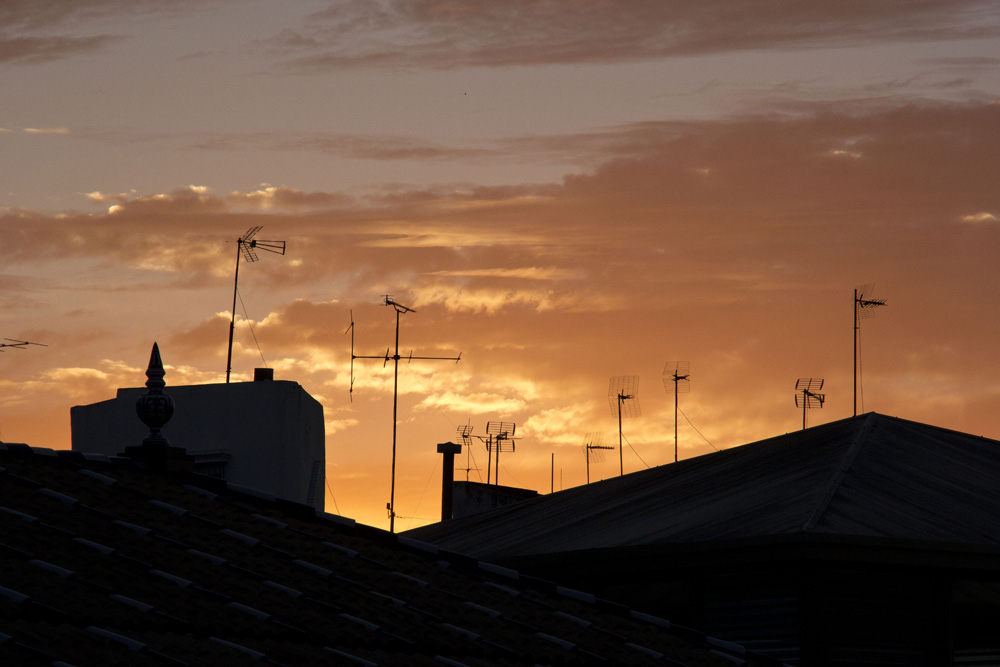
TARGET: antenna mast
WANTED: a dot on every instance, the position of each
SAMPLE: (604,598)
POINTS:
(592,448)
(499,433)
(808,398)
(400,309)
(246,246)
(678,373)
(465,433)
(623,396)
(864,307)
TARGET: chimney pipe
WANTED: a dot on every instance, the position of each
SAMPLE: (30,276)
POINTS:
(448,449)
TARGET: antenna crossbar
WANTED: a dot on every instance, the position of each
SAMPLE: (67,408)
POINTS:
(19,344)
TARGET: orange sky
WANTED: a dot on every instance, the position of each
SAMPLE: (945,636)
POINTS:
(559,201)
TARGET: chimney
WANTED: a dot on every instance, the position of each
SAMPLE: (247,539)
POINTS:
(448,449)
(263,374)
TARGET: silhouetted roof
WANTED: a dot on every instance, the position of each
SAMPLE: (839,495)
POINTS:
(869,476)
(104,563)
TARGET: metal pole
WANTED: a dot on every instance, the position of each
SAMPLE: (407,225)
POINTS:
(395,385)
(232,323)
(489,458)
(496,473)
(855,352)
(675,417)
(621,459)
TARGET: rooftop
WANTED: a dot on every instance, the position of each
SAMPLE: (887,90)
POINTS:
(869,477)
(103,562)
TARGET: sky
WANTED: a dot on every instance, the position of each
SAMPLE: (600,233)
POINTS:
(567,193)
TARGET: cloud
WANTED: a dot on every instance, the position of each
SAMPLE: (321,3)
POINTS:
(40,32)
(46,130)
(979,218)
(34,50)
(526,273)
(438,34)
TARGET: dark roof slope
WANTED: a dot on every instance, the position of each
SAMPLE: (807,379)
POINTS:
(869,476)
(103,563)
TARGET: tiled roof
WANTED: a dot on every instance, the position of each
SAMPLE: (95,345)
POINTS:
(867,477)
(104,563)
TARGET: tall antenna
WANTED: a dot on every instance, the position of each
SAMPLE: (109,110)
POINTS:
(678,374)
(400,309)
(623,393)
(18,344)
(806,395)
(247,246)
(864,307)
(592,447)
(500,437)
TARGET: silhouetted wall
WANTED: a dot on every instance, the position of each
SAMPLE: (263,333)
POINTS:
(262,435)
(475,497)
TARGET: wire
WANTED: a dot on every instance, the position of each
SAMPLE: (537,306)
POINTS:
(421,499)
(635,452)
(332,496)
(697,431)
(251,329)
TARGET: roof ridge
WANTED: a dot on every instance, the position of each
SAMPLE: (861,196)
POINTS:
(838,476)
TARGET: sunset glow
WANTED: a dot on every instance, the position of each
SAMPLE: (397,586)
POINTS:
(558,201)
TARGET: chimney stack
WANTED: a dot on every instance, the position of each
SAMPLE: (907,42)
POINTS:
(448,449)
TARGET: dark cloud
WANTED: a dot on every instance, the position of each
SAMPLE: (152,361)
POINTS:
(440,34)
(37,32)
(30,50)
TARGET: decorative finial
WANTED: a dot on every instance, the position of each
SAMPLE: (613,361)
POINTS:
(154,407)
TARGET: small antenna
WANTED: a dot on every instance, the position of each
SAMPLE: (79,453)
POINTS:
(623,392)
(806,395)
(677,379)
(592,447)
(246,246)
(19,344)
(864,307)
(500,438)
(465,433)
(400,309)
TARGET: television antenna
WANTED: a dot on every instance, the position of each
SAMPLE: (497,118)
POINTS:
(500,437)
(677,373)
(864,307)
(18,344)
(395,357)
(807,396)
(246,246)
(465,433)
(623,393)
(592,447)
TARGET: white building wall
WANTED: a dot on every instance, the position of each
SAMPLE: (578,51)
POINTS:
(273,432)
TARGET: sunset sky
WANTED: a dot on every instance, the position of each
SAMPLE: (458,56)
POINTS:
(564,192)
